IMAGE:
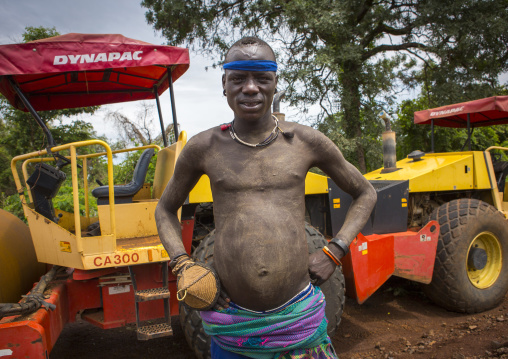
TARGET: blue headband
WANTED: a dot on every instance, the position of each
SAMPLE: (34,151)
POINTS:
(251,65)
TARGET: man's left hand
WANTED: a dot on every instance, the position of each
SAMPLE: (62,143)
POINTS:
(321,267)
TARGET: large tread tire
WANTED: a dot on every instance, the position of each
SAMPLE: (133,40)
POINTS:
(462,222)
(195,335)
(190,319)
(333,289)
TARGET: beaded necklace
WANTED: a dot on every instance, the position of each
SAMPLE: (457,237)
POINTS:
(273,135)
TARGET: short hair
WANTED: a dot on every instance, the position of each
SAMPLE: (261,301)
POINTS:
(246,41)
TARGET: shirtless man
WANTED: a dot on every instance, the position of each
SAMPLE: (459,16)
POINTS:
(258,186)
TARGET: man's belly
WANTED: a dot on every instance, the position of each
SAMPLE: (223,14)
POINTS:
(261,257)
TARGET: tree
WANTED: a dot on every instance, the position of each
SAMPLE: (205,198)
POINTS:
(352,56)
(33,33)
(139,131)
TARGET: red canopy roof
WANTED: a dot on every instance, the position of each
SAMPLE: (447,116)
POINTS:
(77,70)
(484,112)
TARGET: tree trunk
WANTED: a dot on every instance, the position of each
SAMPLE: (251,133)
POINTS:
(360,152)
(351,105)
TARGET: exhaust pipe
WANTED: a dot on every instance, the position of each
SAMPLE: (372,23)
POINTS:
(277,98)
(389,145)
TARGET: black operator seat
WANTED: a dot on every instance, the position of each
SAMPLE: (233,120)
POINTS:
(124,193)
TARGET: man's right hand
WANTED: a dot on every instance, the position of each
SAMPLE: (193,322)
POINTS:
(321,267)
(199,281)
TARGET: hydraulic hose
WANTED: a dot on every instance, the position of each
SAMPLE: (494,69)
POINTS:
(33,300)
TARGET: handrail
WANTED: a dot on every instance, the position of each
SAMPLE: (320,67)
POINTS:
(492,176)
(85,188)
(496,148)
(75,197)
(74,157)
(72,146)
(83,157)
(183,137)
(93,155)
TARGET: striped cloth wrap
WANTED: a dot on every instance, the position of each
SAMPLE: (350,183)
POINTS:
(297,330)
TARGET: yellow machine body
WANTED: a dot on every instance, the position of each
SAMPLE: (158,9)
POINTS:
(440,172)
(448,172)
(202,192)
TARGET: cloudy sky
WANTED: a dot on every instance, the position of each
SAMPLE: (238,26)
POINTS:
(199,101)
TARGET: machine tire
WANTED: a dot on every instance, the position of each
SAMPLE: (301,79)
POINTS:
(333,289)
(190,320)
(457,285)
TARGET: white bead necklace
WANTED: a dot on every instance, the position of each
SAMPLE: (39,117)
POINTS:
(273,135)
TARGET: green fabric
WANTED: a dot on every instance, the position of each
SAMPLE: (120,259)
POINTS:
(296,331)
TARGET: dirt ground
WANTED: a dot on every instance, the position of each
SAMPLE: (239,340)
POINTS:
(398,321)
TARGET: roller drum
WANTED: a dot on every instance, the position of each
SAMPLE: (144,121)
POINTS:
(19,268)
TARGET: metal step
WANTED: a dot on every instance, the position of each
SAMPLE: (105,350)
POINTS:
(151,294)
(146,332)
(154,331)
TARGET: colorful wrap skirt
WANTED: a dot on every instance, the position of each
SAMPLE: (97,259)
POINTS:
(296,330)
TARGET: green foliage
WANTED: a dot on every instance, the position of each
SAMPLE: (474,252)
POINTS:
(352,57)
(332,127)
(409,136)
(123,171)
(33,33)
(22,134)
(5,169)
(65,201)
(12,204)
